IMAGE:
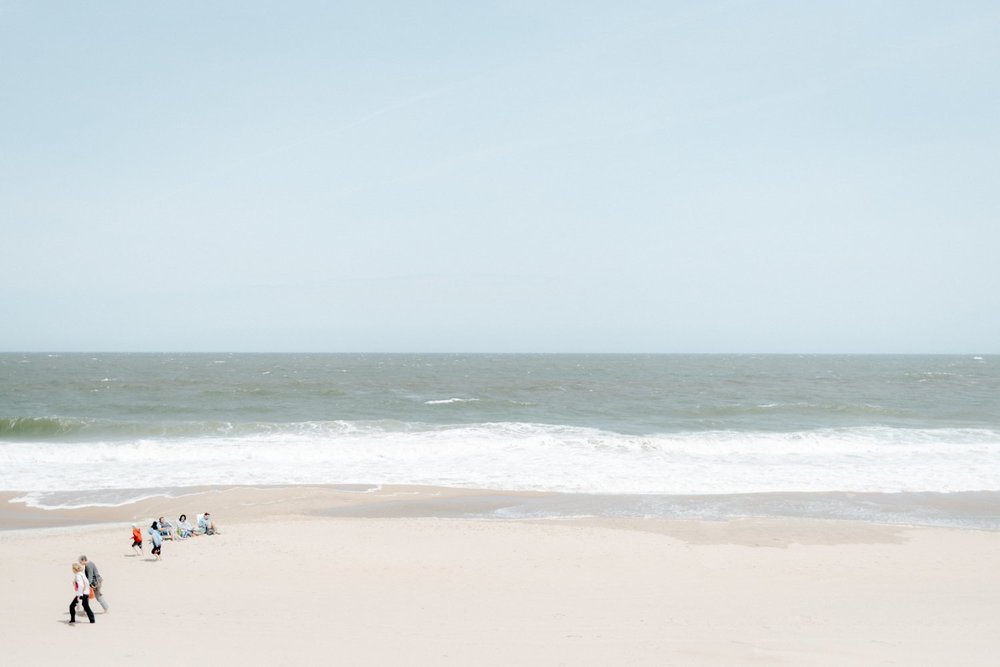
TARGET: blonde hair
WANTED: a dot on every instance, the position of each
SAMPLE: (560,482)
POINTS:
(77,567)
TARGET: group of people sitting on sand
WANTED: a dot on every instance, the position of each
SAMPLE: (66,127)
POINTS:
(163,529)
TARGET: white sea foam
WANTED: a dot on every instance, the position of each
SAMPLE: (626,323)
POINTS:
(447,401)
(515,456)
(90,498)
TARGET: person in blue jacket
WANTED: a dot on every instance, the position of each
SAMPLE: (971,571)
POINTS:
(156,538)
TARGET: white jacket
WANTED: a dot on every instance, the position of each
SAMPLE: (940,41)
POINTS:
(81,585)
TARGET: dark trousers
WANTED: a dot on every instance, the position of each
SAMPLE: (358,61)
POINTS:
(86,608)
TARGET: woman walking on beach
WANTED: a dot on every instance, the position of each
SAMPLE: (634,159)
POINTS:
(81,591)
(156,539)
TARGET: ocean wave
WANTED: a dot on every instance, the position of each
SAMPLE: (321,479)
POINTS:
(67,428)
(449,401)
(38,427)
(517,456)
(800,409)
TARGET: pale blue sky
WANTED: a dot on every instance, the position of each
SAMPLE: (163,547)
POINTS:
(510,177)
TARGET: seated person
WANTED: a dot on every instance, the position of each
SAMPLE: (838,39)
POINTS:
(166,528)
(184,529)
(206,525)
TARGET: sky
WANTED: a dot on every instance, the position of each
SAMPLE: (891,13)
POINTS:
(744,177)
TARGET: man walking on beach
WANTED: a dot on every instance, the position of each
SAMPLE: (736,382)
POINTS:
(95,579)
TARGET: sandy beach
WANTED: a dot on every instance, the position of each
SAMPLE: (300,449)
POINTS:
(287,584)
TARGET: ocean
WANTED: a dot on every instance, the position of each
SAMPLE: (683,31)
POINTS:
(906,439)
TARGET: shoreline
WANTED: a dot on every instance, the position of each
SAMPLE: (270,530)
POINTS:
(959,510)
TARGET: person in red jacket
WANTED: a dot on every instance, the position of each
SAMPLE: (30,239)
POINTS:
(136,540)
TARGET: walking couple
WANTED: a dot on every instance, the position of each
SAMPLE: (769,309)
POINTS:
(85,578)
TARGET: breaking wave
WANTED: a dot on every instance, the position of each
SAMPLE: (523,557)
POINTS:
(49,455)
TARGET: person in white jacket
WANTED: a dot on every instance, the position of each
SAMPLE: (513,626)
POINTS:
(81,591)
